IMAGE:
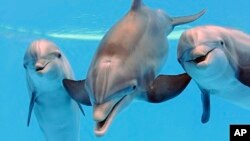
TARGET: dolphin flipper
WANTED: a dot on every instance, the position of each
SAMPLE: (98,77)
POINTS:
(80,107)
(205,97)
(76,90)
(31,106)
(244,75)
(165,87)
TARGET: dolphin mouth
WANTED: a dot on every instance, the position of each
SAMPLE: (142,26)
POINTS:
(102,126)
(40,68)
(200,58)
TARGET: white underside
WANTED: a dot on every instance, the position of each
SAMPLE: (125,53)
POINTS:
(229,88)
(58,116)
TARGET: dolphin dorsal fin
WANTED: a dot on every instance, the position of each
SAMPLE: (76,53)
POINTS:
(136,4)
(186,19)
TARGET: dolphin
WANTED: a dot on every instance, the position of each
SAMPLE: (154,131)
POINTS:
(57,114)
(218,60)
(126,65)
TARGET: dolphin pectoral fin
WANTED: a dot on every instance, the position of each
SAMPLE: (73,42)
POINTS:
(31,106)
(76,90)
(186,19)
(166,87)
(205,97)
(80,107)
(244,75)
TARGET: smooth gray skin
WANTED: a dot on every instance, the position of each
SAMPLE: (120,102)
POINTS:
(57,114)
(126,63)
(218,59)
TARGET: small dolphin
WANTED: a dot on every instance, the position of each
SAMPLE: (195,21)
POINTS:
(56,113)
(126,64)
(218,59)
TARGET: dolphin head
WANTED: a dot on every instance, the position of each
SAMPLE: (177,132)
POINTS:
(202,53)
(111,87)
(44,61)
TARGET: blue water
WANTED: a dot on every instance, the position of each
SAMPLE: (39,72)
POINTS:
(77,26)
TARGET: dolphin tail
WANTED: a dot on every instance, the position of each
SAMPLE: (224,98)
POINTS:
(186,19)
(76,89)
(205,97)
(31,106)
(166,87)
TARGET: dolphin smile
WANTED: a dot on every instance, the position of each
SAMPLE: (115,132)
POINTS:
(200,58)
(40,68)
(102,126)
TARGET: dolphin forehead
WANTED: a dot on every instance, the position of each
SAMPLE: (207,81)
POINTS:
(43,47)
(205,34)
(39,49)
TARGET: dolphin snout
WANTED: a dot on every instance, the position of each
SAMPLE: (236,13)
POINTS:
(191,54)
(100,114)
(103,110)
(40,65)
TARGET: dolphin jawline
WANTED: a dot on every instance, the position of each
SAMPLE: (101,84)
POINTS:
(201,58)
(39,69)
(101,127)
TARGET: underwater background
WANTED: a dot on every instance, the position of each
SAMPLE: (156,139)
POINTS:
(77,26)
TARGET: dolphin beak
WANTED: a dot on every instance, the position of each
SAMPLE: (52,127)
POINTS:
(39,66)
(105,113)
(199,56)
(102,111)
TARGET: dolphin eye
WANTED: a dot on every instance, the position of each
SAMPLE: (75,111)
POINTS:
(59,55)
(221,43)
(134,87)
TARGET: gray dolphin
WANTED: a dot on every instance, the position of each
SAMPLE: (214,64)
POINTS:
(218,59)
(126,64)
(57,114)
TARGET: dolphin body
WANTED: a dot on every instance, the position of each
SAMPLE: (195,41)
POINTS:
(218,59)
(126,64)
(57,114)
